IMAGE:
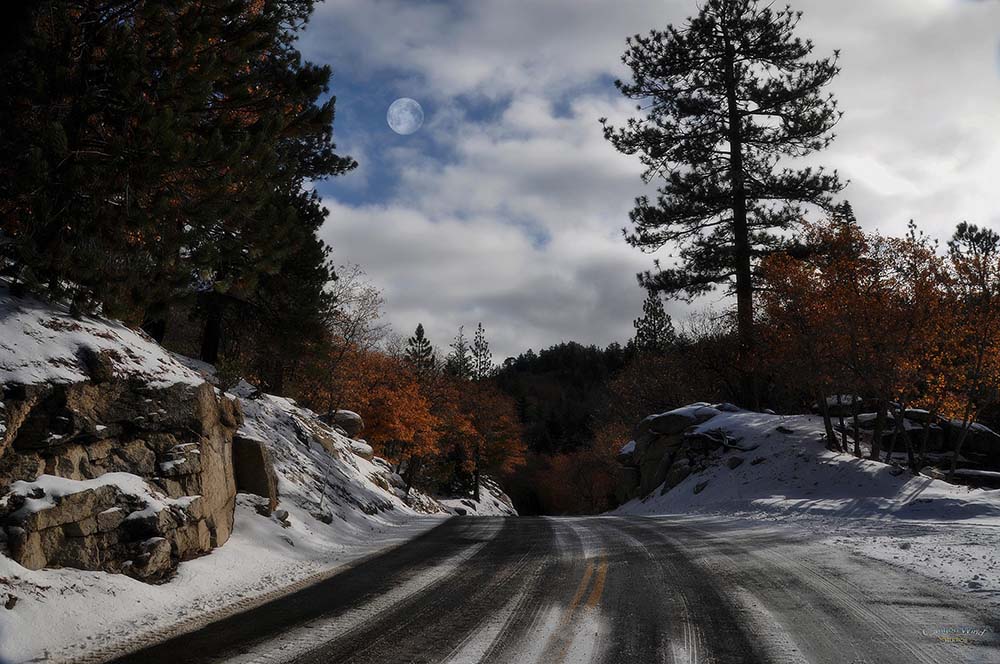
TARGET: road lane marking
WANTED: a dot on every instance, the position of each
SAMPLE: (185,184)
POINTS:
(565,638)
(582,588)
(595,594)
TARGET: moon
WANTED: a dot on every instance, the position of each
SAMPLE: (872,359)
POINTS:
(405,116)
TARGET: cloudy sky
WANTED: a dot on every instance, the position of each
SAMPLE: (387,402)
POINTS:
(506,207)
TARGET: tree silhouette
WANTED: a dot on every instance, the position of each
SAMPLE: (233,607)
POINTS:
(419,351)
(726,98)
(482,359)
(654,331)
(459,362)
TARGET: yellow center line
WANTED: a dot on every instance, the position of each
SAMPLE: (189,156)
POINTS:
(566,639)
(558,643)
(582,588)
(595,594)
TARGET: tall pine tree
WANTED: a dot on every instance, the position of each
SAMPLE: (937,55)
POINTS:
(482,358)
(419,351)
(727,97)
(459,362)
(654,331)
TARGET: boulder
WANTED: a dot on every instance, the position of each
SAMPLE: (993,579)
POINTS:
(918,415)
(76,528)
(109,519)
(153,563)
(734,462)
(348,421)
(675,421)
(653,460)
(362,449)
(254,470)
(845,407)
(628,484)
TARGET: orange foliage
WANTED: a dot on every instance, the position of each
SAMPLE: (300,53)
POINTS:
(885,318)
(497,442)
(412,419)
(398,418)
(863,312)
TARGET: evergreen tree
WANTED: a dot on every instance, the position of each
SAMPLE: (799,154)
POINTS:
(287,317)
(654,331)
(727,96)
(419,351)
(145,142)
(482,358)
(459,362)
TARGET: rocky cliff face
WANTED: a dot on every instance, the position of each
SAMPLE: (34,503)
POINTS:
(113,456)
(178,438)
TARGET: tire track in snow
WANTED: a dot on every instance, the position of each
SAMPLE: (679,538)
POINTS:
(432,624)
(702,622)
(818,605)
(336,595)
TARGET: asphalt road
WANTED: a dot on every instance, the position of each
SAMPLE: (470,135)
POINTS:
(605,589)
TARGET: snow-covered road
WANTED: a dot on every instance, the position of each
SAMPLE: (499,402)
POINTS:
(607,589)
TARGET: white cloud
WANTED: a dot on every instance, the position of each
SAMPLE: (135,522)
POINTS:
(518,226)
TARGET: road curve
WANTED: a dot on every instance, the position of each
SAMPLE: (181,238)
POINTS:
(603,590)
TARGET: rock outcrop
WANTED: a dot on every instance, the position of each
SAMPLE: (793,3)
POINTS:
(254,470)
(177,438)
(115,524)
(665,450)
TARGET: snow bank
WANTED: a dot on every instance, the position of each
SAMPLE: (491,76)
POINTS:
(335,507)
(492,502)
(319,470)
(42,343)
(946,531)
(337,503)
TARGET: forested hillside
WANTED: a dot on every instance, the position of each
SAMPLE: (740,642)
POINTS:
(159,165)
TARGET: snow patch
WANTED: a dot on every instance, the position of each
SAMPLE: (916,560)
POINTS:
(42,343)
(950,532)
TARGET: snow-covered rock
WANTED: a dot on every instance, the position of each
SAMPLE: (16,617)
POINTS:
(118,455)
(658,441)
(43,343)
(492,502)
(349,421)
(87,399)
(318,468)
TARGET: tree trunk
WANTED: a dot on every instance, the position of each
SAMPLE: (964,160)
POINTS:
(277,380)
(926,436)
(156,328)
(966,425)
(879,431)
(855,407)
(411,473)
(476,472)
(831,436)
(741,235)
(840,416)
(211,337)
(897,423)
